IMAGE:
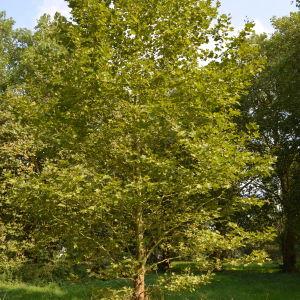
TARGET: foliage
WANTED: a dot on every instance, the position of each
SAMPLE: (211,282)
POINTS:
(178,283)
(122,127)
(273,103)
(12,146)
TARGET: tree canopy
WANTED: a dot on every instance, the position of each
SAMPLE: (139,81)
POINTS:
(128,143)
(273,103)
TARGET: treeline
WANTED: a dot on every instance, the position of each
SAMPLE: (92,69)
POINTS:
(141,133)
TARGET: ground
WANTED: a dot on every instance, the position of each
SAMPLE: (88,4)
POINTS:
(249,284)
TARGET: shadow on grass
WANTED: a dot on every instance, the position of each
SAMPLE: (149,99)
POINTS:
(251,283)
(246,285)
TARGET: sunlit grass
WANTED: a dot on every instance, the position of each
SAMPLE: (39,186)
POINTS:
(249,283)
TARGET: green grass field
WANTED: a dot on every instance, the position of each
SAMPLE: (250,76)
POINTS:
(258,284)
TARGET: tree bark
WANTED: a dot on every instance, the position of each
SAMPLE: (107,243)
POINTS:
(289,236)
(139,285)
(289,253)
(289,250)
(139,280)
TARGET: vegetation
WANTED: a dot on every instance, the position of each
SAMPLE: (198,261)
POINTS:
(143,133)
(273,104)
(252,284)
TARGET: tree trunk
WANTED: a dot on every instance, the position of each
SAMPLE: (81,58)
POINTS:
(139,285)
(289,235)
(289,250)
(139,280)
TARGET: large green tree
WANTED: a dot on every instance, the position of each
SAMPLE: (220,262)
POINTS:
(274,104)
(135,140)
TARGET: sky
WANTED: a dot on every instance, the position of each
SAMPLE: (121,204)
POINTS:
(26,12)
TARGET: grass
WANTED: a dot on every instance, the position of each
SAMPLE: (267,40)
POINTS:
(249,286)
(264,283)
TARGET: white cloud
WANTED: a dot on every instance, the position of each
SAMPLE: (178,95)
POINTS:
(52,6)
(261,27)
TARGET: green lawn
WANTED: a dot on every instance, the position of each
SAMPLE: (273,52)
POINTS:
(230,285)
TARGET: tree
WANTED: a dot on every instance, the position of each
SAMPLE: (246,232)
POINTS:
(273,103)
(133,136)
(12,135)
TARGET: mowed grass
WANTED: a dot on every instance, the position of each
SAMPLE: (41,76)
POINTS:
(253,284)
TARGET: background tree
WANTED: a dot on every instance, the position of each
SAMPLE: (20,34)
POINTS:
(273,103)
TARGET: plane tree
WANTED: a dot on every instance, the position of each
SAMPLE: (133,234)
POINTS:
(133,118)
